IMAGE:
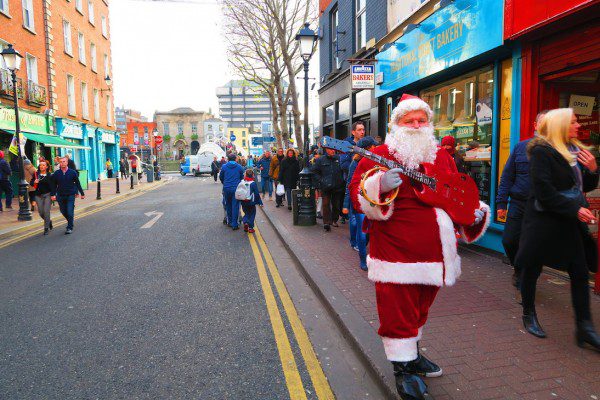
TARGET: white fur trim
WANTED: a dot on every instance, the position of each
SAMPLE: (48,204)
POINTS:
(423,273)
(409,105)
(402,350)
(449,250)
(485,224)
(372,187)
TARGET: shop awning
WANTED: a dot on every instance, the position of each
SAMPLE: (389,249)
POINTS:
(53,141)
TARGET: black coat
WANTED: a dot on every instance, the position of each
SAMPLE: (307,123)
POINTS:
(553,237)
(329,174)
(289,172)
(45,184)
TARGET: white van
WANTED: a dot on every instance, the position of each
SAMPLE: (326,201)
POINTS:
(205,159)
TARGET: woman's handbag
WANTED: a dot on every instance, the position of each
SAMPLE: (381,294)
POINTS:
(572,194)
(280,191)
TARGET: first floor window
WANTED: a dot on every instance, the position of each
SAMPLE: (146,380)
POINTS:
(28,14)
(71,95)
(32,72)
(180,128)
(4,6)
(166,128)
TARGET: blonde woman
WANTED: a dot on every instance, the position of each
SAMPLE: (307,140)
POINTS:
(554,228)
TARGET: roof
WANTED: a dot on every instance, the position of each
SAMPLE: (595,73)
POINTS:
(214,120)
(181,110)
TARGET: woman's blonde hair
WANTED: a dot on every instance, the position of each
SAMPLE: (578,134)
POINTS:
(554,127)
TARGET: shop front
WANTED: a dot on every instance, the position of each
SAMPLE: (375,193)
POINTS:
(29,123)
(109,141)
(456,61)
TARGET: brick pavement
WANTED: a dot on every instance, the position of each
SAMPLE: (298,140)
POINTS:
(474,330)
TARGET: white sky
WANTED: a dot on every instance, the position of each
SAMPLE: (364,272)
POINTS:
(167,55)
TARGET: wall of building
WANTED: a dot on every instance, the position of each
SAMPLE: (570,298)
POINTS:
(186,119)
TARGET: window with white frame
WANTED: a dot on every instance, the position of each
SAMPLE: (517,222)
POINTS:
(28,14)
(194,128)
(79,5)
(85,112)
(71,95)
(31,64)
(93,59)
(106,66)
(4,6)
(81,47)
(166,128)
(180,128)
(67,37)
(104,26)
(91,12)
(334,21)
(96,105)
(361,24)
(108,111)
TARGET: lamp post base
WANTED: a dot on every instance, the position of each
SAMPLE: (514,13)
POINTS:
(24,210)
(307,215)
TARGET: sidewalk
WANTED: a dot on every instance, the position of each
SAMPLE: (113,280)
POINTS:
(9,225)
(474,330)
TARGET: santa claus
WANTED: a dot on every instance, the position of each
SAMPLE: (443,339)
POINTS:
(413,246)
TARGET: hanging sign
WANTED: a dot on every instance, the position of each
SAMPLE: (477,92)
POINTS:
(582,105)
(363,77)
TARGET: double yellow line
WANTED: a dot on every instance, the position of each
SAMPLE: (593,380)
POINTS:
(288,362)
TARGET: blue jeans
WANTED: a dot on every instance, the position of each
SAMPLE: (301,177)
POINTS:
(6,187)
(357,237)
(249,214)
(267,182)
(232,206)
(67,208)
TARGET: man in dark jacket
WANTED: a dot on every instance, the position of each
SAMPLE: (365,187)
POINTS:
(264,164)
(67,188)
(215,168)
(358,132)
(5,185)
(231,175)
(329,174)
(514,184)
(289,172)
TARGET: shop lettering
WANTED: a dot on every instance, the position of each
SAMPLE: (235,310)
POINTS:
(362,77)
(24,118)
(449,35)
(580,104)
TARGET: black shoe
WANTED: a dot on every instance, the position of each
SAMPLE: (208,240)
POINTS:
(319,216)
(587,334)
(224,221)
(290,208)
(531,323)
(68,231)
(45,231)
(409,386)
(235,228)
(424,367)
(327,227)
(51,226)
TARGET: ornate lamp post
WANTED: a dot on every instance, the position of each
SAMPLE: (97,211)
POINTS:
(12,60)
(306,203)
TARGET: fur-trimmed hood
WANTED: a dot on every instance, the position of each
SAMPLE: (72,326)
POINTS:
(536,141)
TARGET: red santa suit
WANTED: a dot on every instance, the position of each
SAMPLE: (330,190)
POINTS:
(412,253)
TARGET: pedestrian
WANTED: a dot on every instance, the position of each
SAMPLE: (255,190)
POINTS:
(215,168)
(514,184)
(43,188)
(358,238)
(274,174)
(223,161)
(56,163)
(5,184)
(249,206)
(109,168)
(231,174)
(67,188)
(412,245)
(123,168)
(72,163)
(264,165)
(29,172)
(358,132)
(289,172)
(250,162)
(449,144)
(330,178)
(555,231)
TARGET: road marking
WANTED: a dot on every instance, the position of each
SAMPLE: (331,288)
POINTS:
(157,215)
(313,366)
(288,363)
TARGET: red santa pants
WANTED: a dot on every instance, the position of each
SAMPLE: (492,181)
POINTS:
(403,310)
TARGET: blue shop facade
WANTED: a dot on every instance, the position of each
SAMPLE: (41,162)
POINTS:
(457,61)
(97,145)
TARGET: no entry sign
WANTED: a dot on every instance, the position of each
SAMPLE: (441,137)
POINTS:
(363,77)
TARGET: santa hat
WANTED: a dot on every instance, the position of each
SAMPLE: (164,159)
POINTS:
(407,104)
(448,141)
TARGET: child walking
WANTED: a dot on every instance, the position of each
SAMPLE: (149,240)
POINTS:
(249,206)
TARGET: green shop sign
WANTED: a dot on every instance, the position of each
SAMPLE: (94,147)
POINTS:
(29,122)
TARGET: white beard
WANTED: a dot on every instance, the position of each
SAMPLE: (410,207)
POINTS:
(412,147)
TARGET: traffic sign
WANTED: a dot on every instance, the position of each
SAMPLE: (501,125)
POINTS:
(232,137)
(257,141)
(158,139)
(133,149)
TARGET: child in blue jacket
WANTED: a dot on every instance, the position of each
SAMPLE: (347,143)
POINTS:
(249,206)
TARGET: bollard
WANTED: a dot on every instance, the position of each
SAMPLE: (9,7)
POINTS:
(131,176)
(98,197)
(118,188)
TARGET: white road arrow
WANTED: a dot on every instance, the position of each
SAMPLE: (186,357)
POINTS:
(157,216)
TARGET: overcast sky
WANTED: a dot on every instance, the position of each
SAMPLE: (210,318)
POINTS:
(168,55)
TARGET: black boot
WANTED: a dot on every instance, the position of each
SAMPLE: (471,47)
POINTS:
(587,334)
(408,385)
(424,367)
(531,323)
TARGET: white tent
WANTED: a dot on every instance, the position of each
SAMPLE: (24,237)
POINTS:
(212,147)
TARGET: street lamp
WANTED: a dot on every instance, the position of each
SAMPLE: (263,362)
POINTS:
(290,108)
(154,135)
(306,203)
(108,82)
(12,61)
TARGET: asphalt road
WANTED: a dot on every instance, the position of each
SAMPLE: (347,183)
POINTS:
(173,311)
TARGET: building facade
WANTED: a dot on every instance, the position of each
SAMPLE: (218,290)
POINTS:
(139,138)
(243,104)
(215,130)
(182,130)
(124,115)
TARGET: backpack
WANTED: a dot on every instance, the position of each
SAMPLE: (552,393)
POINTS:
(243,192)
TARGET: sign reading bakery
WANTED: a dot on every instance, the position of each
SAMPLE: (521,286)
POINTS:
(363,77)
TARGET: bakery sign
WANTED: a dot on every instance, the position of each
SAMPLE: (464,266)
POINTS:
(363,77)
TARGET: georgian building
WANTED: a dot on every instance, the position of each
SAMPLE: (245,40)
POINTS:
(182,130)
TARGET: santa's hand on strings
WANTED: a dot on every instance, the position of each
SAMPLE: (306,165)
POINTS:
(478,217)
(390,180)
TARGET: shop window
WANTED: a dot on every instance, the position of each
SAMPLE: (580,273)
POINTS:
(469,99)
(328,114)
(437,107)
(343,109)
(362,102)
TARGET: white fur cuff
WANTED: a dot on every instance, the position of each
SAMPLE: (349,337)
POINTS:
(372,189)
(401,350)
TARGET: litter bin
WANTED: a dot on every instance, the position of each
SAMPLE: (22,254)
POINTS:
(149,174)
(296,193)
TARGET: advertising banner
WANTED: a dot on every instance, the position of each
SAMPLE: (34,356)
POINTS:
(363,77)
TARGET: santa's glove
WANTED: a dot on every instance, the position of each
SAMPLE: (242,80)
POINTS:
(390,180)
(478,217)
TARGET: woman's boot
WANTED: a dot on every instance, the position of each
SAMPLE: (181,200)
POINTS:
(531,323)
(587,334)
(409,385)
